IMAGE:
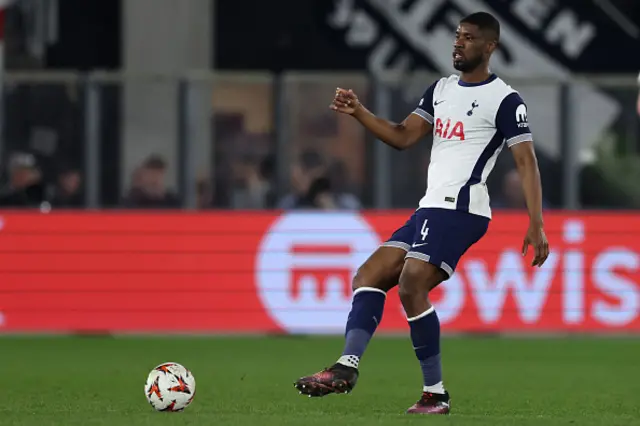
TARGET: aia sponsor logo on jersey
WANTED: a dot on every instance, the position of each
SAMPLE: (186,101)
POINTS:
(449,129)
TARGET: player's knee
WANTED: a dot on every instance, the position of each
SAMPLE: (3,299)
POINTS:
(383,275)
(417,279)
(359,280)
(409,286)
(367,277)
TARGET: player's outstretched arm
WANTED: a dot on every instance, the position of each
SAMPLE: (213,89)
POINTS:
(397,135)
(527,164)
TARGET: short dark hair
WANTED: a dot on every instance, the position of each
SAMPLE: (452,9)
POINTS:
(486,22)
(155,162)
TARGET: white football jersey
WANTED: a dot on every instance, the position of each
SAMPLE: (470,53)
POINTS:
(471,124)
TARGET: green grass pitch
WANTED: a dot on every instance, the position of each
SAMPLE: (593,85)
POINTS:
(249,381)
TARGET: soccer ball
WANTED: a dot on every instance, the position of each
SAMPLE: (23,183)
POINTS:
(170,387)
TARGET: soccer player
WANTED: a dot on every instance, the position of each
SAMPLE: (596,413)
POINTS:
(472,117)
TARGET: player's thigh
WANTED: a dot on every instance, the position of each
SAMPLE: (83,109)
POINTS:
(418,277)
(442,237)
(468,230)
(381,270)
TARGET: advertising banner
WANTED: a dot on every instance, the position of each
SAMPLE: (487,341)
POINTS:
(237,272)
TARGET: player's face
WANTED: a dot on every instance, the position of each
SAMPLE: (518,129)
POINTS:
(471,48)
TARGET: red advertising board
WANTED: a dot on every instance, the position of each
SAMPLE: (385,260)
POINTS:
(270,272)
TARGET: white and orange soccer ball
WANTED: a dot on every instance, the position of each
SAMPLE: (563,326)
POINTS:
(170,387)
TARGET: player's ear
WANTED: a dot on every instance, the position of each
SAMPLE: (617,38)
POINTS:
(492,46)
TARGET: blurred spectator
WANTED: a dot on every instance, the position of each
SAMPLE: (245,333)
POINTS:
(268,172)
(204,193)
(68,190)
(310,168)
(252,186)
(512,196)
(319,196)
(25,187)
(148,187)
(339,176)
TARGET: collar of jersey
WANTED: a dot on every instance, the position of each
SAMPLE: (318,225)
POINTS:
(482,83)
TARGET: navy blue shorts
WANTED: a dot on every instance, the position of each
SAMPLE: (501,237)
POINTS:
(439,236)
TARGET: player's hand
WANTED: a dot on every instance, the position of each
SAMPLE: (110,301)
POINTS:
(536,238)
(345,101)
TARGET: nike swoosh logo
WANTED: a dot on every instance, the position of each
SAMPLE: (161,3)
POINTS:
(438,102)
(414,245)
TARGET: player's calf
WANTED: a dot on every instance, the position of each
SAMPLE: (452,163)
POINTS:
(370,287)
(378,274)
(374,278)
(417,279)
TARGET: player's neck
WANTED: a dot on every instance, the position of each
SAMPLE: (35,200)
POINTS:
(476,76)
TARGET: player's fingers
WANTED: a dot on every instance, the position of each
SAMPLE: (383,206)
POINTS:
(345,110)
(342,92)
(348,94)
(538,257)
(545,253)
(525,246)
(343,99)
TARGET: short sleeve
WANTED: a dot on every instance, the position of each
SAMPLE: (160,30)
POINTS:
(512,121)
(425,106)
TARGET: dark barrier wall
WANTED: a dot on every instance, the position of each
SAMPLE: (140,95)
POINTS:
(351,34)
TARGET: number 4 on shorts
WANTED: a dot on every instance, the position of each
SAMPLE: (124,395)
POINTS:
(424,231)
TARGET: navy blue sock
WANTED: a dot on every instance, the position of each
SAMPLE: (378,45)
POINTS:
(365,315)
(425,335)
